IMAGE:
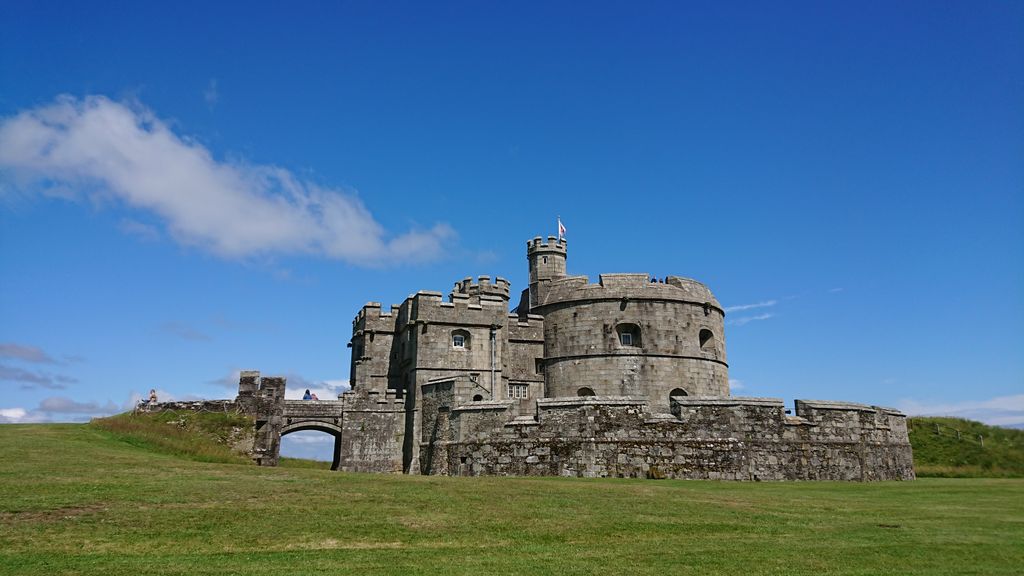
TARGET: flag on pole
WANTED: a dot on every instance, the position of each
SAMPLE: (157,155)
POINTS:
(561,228)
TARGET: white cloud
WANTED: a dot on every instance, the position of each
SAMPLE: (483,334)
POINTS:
(735,385)
(747,319)
(161,396)
(308,444)
(12,415)
(58,409)
(295,386)
(324,390)
(110,150)
(765,304)
(998,411)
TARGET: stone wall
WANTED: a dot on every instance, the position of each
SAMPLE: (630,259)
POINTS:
(705,438)
(372,434)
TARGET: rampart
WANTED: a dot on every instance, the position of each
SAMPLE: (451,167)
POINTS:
(704,438)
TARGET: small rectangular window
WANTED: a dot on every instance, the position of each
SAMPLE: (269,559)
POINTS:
(626,339)
(539,365)
(459,341)
(518,391)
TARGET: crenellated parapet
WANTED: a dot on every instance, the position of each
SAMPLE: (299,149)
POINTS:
(705,438)
(625,287)
(429,307)
(372,317)
(483,286)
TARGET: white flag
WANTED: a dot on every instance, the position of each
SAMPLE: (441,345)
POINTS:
(561,229)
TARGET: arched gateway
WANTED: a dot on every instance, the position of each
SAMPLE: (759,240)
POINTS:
(363,426)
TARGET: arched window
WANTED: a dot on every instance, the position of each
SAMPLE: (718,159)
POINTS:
(478,398)
(585,392)
(677,392)
(460,339)
(629,335)
(707,340)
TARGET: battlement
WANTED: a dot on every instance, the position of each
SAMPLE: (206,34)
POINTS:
(428,306)
(553,244)
(638,286)
(707,438)
(483,287)
(372,317)
(371,400)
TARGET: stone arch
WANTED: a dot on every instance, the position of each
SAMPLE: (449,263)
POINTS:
(584,391)
(478,398)
(318,426)
(677,392)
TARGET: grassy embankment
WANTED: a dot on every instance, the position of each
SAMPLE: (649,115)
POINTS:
(978,451)
(77,499)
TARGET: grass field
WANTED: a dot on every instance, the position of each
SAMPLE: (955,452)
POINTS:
(76,499)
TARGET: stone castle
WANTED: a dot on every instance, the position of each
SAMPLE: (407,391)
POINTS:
(625,378)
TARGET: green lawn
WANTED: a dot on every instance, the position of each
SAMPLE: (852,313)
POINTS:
(75,499)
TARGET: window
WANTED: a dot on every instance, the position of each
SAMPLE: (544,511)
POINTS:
(544,259)
(629,335)
(478,398)
(585,392)
(677,392)
(538,365)
(707,340)
(518,391)
(460,339)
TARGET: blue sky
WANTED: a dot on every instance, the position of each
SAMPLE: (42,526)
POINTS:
(191,189)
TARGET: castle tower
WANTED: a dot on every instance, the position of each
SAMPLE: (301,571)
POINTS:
(547,263)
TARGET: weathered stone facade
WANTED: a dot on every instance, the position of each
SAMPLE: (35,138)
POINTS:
(626,377)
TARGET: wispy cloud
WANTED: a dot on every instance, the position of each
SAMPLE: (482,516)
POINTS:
(57,409)
(30,379)
(296,385)
(748,319)
(139,230)
(184,331)
(25,353)
(324,389)
(211,94)
(741,307)
(998,411)
(63,405)
(735,385)
(109,150)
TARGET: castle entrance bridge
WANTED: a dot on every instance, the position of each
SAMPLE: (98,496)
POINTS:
(319,415)
(368,431)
